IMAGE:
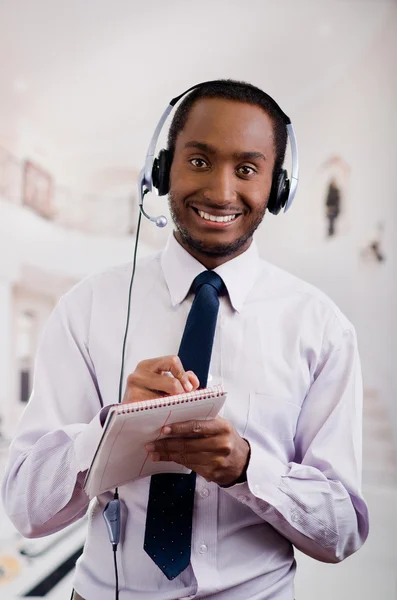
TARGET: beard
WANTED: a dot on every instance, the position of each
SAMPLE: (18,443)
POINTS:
(211,250)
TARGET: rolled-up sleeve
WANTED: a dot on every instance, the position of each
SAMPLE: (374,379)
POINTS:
(42,489)
(315,501)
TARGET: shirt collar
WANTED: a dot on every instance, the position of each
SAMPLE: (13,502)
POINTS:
(180,269)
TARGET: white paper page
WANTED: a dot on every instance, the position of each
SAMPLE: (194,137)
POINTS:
(122,457)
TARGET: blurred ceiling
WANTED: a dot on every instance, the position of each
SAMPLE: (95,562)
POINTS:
(82,83)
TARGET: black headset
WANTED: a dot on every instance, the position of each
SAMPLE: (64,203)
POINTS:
(156,172)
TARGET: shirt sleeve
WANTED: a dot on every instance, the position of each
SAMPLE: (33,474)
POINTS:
(42,489)
(315,501)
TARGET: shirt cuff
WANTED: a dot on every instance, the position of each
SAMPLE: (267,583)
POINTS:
(86,443)
(264,475)
(104,413)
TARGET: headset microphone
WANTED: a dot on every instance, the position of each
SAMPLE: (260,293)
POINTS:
(161,220)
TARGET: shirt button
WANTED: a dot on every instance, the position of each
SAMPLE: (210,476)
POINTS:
(203,549)
(243,499)
(205,493)
(209,378)
(294,517)
(256,489)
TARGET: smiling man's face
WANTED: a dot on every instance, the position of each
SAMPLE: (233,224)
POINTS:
(221,177)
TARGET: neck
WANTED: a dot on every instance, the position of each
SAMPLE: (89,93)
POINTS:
(211,261)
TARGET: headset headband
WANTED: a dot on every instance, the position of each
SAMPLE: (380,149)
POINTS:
(145,182)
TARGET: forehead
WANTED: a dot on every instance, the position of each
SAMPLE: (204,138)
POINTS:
(228,125)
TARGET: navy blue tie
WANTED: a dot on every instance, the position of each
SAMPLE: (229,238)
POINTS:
(169,514)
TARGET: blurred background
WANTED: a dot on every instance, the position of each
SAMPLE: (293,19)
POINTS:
(82,86)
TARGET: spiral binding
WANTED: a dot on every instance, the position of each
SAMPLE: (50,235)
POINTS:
(211,392)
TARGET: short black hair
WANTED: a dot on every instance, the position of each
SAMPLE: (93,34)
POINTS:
(239,91)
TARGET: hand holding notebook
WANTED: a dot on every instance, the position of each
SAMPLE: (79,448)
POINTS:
(121,456)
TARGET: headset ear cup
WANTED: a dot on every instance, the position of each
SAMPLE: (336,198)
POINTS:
(161,172)
(279,192)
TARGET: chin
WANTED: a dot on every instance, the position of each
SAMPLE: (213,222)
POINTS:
(213,249)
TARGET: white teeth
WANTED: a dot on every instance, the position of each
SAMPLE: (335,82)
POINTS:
(208,217)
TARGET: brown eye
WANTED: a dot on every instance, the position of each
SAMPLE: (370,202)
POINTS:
(199,163)
(245,171)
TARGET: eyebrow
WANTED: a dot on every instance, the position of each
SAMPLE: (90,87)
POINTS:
(238,155)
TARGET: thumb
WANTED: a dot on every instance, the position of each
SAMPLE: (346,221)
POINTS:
(193,379)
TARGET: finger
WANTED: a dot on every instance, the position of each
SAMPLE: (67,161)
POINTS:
(151,385)
(190,375)
(193,379)
(156,377)
(187,460)
(141,394)
(177,370)
(188,445)
(174,365)
(197,428)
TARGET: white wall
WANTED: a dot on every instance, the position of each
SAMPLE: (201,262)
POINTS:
(5,358)
(40,261)
(356,119)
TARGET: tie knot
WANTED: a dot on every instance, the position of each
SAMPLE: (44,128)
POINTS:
(210,278)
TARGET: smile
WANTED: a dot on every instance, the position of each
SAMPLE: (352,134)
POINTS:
(216,219)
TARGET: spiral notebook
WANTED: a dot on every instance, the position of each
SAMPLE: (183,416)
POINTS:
(121,456)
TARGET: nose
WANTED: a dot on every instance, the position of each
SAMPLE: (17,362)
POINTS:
(220,187)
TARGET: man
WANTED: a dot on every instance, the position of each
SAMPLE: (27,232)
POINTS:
(281,466)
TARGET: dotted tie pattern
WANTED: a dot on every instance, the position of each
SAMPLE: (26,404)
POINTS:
(168,530)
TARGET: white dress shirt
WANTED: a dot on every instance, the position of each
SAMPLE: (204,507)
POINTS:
(287,358)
